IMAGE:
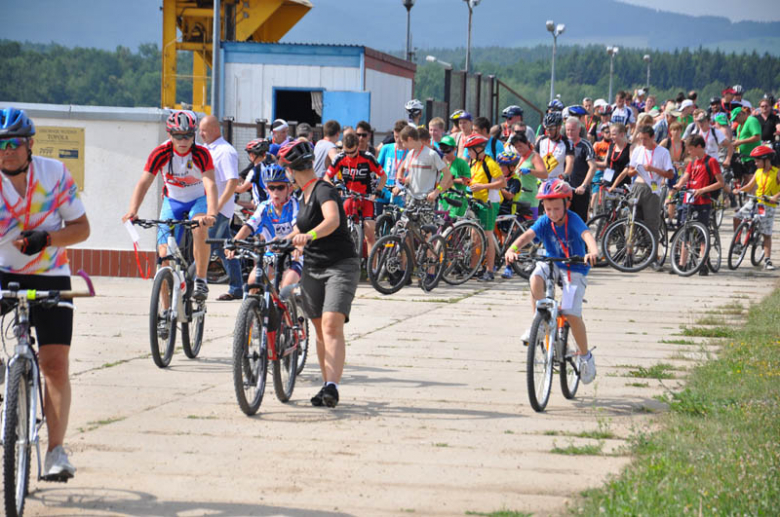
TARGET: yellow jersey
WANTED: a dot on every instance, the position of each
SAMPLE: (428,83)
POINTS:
(478,176)
(767,184)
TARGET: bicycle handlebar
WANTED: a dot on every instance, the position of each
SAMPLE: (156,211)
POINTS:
(276,246)
(149,223)
(38,295)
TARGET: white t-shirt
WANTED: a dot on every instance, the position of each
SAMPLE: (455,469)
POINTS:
(321,150)
(52,197)
(183,175)
(712,138)
(225,160)
(624,115)
(422,171)
(554,153)
(659,157)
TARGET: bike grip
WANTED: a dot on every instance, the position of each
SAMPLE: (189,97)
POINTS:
(216,241)
(83,274)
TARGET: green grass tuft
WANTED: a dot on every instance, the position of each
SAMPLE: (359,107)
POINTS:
(579,450)
(657,371)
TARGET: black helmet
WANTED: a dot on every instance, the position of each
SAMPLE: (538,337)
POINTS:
(297,155)
(553,118)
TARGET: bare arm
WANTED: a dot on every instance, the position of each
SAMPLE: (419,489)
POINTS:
(329,224)
(539,170)
(227,194)
(521,242)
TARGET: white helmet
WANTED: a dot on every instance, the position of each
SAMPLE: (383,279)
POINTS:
(414,106)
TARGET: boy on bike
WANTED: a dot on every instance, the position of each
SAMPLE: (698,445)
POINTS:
(767,179)
(274,218)
(563,234)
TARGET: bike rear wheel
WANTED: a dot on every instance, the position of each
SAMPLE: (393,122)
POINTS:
(570,376)
(384,225)
(390,264)
(689,249)
(162,327)
(628,249)
(715,257)
(17,447)
(598,226)
(250,356)
(739,244)
(465,250)
(432,263)
(539,369)
(757,249)
(192,330)
(286,362)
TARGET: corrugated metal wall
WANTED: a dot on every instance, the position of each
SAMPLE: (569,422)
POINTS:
(389,93)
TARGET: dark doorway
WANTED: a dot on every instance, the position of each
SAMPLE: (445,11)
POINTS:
(297,105)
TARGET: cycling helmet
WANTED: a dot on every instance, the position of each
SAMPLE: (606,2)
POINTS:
(508,158)
(608,109)
(414,106)
(738,89)
(475,140)
(447,143)
(763,152)
(554,118)
(555,105)
(297,155)
(258,146)
(554,189)
(15,122)
(460,114)
(577,111)
(714,100)
(274,174)
(512,111)
(181,122)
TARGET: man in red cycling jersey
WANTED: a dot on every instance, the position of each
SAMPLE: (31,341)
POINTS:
(355,168)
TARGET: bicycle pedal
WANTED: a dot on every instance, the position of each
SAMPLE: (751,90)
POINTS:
(57,478)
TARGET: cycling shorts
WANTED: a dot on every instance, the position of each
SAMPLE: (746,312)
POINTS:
(561,277)
(173,209)
(351,207)
(52,326)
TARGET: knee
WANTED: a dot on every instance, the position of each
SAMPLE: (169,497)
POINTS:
(332,326)
(55,369)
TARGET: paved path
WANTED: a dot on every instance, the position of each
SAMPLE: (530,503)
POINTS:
(434,416)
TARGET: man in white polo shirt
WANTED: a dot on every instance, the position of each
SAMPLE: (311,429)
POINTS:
(226,174)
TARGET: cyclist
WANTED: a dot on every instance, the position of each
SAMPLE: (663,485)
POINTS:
(494,145)
(531,171)
(748,137)
(622,112)
(508,161)
(466,129)
(461,177)
(273,219)
(555,149)
(678,149)
(188,173)
(714,139)
(563,234)
(513,114)
(486,182)
(554,105)
(257,150)
(357,169)
(325,150)
(41,214)
(583,167)
(390,158)
(414,109)
(423,175)
(279,135)
(766,181)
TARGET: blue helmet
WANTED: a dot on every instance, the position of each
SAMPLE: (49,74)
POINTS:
(555,105)
(508,158)
(577,110)
(15,122)
(274,174)
(512,111)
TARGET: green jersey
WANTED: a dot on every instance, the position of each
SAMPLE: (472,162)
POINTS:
(459,168)
(750,128)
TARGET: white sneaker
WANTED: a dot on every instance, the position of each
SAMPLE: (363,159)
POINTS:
(768,265)
(587,370)
(57,464)
(526,337)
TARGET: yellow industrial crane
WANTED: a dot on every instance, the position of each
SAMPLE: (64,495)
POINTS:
(188,25)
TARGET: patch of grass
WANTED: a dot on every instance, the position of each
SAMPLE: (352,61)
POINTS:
(716,451)
(441,444)
(509,431)
(501,513)
(711,319)
(579,450)
(638,384)
(678,341)
(91,426)
(657,371)
(199,417)
(717,332)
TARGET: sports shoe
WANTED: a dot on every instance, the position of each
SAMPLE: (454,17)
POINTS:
(587,369)
(316,400)
(57,464)
(768,265)
(526,337)
(704,270)
(508,273)
(330,395)
(487,276)
(200,291)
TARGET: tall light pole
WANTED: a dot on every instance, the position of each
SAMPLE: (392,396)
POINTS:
(611,50)
(215,73)
(409,4)
(647,60)
(555,30)
(471,5)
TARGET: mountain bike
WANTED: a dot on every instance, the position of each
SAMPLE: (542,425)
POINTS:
(548,346)
(172,305)
(23,393)
(270,326)
(690,245)
(747,235)
(465,243)
(613,206)
(387,219)
(628,244)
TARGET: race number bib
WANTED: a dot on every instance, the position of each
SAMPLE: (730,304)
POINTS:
(609,174)
(550,162)
(567,300)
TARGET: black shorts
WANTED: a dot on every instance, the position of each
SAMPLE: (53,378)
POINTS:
(52,326)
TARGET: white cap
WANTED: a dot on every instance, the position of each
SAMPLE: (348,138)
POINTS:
(687,103)
(746,103)
(279,124)
(600,103)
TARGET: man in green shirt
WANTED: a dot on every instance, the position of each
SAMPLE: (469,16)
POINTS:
(461,175)
(748,137)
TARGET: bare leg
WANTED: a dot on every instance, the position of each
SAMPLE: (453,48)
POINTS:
(201,250)
(53,360)
(369,232)
(333,351)
(578,331)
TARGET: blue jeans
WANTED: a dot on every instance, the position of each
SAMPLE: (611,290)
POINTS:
(221,230)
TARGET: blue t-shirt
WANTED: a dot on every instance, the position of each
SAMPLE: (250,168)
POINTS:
(389,159)
(489,148)
(267,223)
(552,244)
(255,177)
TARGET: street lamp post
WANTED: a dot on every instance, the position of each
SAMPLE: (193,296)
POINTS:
(647,60)
(555,30)
(471,5)
(409,4)
(611,50)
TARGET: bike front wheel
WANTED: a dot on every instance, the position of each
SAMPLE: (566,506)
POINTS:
(17,447)
(629,247)
(250,356)
(162,327)
(286,362)
(570,376)
(757,249)
(390,264)
(739,245)
(690,248)
(466,245)
(432,263)
(715,257)
(540,361)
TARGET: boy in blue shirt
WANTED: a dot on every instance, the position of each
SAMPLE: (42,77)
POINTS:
(563,234)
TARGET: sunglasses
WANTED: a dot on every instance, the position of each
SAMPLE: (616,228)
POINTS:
(12,143)
(362,135)
(446,149)
(350,152)
(182,136)
(276,187)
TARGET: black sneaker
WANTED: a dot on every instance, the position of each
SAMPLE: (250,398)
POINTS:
(704,271)
(330,395)
(316,400)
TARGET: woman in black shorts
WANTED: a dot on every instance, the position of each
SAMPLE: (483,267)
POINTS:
(331,268)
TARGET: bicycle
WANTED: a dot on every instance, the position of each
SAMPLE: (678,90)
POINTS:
(356,220)
(172,301)
(628,244)
(270,327)
(747,235)
(465,243)
(613,207)
(391,261)
(548,346)
(690,245)
(23,393)
(387,219)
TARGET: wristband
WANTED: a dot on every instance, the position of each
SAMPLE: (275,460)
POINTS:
(514,248)
(438,187)
(312,234)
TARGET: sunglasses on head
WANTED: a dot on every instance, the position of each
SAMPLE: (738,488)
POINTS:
(276,187)
(362,135)
(12,143)
(182,136)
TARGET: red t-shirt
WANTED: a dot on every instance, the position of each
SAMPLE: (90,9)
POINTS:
(700,178)
(356,171)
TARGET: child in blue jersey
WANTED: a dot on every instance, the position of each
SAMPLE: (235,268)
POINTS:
(563,234)
(274,218)
(391,156)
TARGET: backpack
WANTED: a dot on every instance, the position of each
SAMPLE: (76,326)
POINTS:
(715,193)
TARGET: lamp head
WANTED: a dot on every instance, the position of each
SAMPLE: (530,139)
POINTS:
(550,25)
(408,3)
(430,59)
(559,29)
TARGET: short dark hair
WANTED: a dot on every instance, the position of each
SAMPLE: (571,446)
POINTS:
(693,95)
(697,141)
(350,141)
(424,134)
(482,123)
(621,94)
(519,138)
(680,97)
(331,128)
(409,132)
(303,129)
(364,125)
(647,130)
(400,125)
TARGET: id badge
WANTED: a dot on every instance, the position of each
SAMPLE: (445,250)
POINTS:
(608,174)
(654,188)
(567,300)
(550,162)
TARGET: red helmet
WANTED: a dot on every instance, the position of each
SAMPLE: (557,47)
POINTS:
(554,189)
(257,146)
(762,152)
(181,122)
(297,155)
(475,140)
